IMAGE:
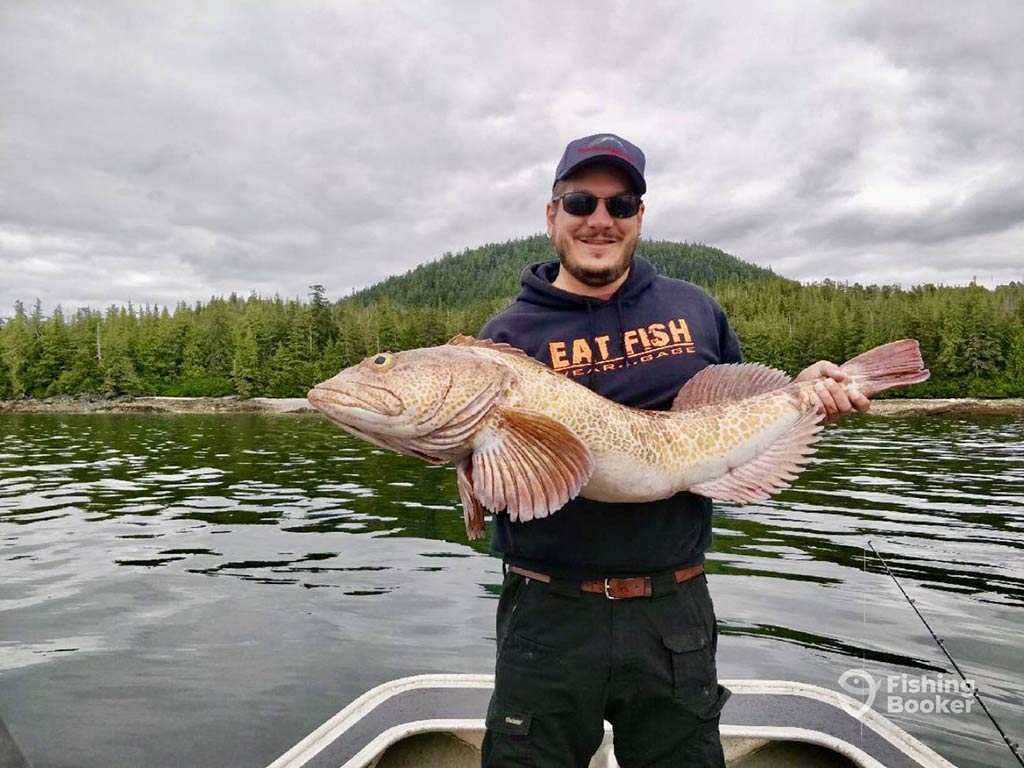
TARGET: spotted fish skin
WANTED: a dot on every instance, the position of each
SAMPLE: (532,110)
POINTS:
(525,439)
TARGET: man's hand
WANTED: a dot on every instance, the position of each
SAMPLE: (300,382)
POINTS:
(836,400)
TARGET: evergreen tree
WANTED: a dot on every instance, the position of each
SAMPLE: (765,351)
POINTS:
(219,341)
(324,331)
(387,333)
(54,355)
(246,373)
(82,372)
(17,351)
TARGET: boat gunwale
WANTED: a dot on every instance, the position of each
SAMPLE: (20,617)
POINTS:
(332,729)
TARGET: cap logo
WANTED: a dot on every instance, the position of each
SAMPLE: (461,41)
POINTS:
(608,151)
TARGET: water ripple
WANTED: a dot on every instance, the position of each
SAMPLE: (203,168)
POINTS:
(142,548)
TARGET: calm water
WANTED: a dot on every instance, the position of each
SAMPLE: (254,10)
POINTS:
(205,590)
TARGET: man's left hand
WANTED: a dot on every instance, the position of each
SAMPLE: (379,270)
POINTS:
(835,399)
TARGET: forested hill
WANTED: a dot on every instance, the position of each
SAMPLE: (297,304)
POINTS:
(492,272)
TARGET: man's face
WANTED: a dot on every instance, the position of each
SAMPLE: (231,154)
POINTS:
(594,250)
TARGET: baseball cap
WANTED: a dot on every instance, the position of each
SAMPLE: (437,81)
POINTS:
(607,148)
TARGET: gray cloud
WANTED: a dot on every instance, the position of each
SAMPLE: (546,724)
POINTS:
(993,209)
(173,151)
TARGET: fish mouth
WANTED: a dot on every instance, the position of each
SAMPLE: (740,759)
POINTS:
(362,400)
(366,412)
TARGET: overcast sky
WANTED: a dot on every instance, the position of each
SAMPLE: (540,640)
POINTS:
(165,151)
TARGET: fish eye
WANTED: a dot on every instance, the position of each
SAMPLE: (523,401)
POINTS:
(383,361)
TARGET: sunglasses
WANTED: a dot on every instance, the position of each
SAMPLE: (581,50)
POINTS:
(621,206)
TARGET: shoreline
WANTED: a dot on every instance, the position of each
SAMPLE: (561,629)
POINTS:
(152,404)
(293,405)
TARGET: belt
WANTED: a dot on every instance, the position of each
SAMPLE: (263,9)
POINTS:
(613,588)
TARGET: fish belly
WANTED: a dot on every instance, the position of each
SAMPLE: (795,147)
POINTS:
(705,446)
(629,479)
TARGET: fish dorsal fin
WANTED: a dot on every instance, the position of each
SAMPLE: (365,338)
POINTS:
(731,381)
(497,346)
(770,470)
(529,464)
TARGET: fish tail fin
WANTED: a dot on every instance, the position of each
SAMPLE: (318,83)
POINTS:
(897,364)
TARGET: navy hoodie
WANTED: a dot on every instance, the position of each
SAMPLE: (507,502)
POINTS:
(636,348)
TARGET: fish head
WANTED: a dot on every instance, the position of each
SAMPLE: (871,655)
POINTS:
(426,403)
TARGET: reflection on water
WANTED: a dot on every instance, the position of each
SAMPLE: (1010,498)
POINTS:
(206,589)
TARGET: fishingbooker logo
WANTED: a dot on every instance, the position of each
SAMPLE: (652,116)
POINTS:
(906,694)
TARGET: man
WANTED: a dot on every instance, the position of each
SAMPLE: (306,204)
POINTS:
(568,656)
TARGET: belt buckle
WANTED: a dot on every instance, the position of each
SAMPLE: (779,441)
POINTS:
(606,592)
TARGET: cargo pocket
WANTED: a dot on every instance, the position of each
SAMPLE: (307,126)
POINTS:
(505,743)
(694,674)
(512,721)
(529,673)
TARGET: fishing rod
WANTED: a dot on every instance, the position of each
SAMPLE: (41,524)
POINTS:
(942,646)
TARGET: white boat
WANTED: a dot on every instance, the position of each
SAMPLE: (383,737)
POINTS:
(10,755)
(437,721)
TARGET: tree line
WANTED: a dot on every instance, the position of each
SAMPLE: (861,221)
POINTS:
(252,347)
(972,338)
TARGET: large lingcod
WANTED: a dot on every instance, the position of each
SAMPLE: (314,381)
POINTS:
(525,439)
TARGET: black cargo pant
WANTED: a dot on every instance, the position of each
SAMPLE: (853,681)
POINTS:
(567,660)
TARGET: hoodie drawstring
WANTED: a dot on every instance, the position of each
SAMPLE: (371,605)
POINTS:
(592,332)
(622,325)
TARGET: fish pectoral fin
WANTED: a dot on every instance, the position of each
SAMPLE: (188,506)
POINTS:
(529,464)
(731,381)
(770,471)
(472,509)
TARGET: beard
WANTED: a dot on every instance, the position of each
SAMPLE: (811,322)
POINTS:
(596,277)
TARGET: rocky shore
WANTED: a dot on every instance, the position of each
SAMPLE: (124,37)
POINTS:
(269,405)
(952,407)
(128,404)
